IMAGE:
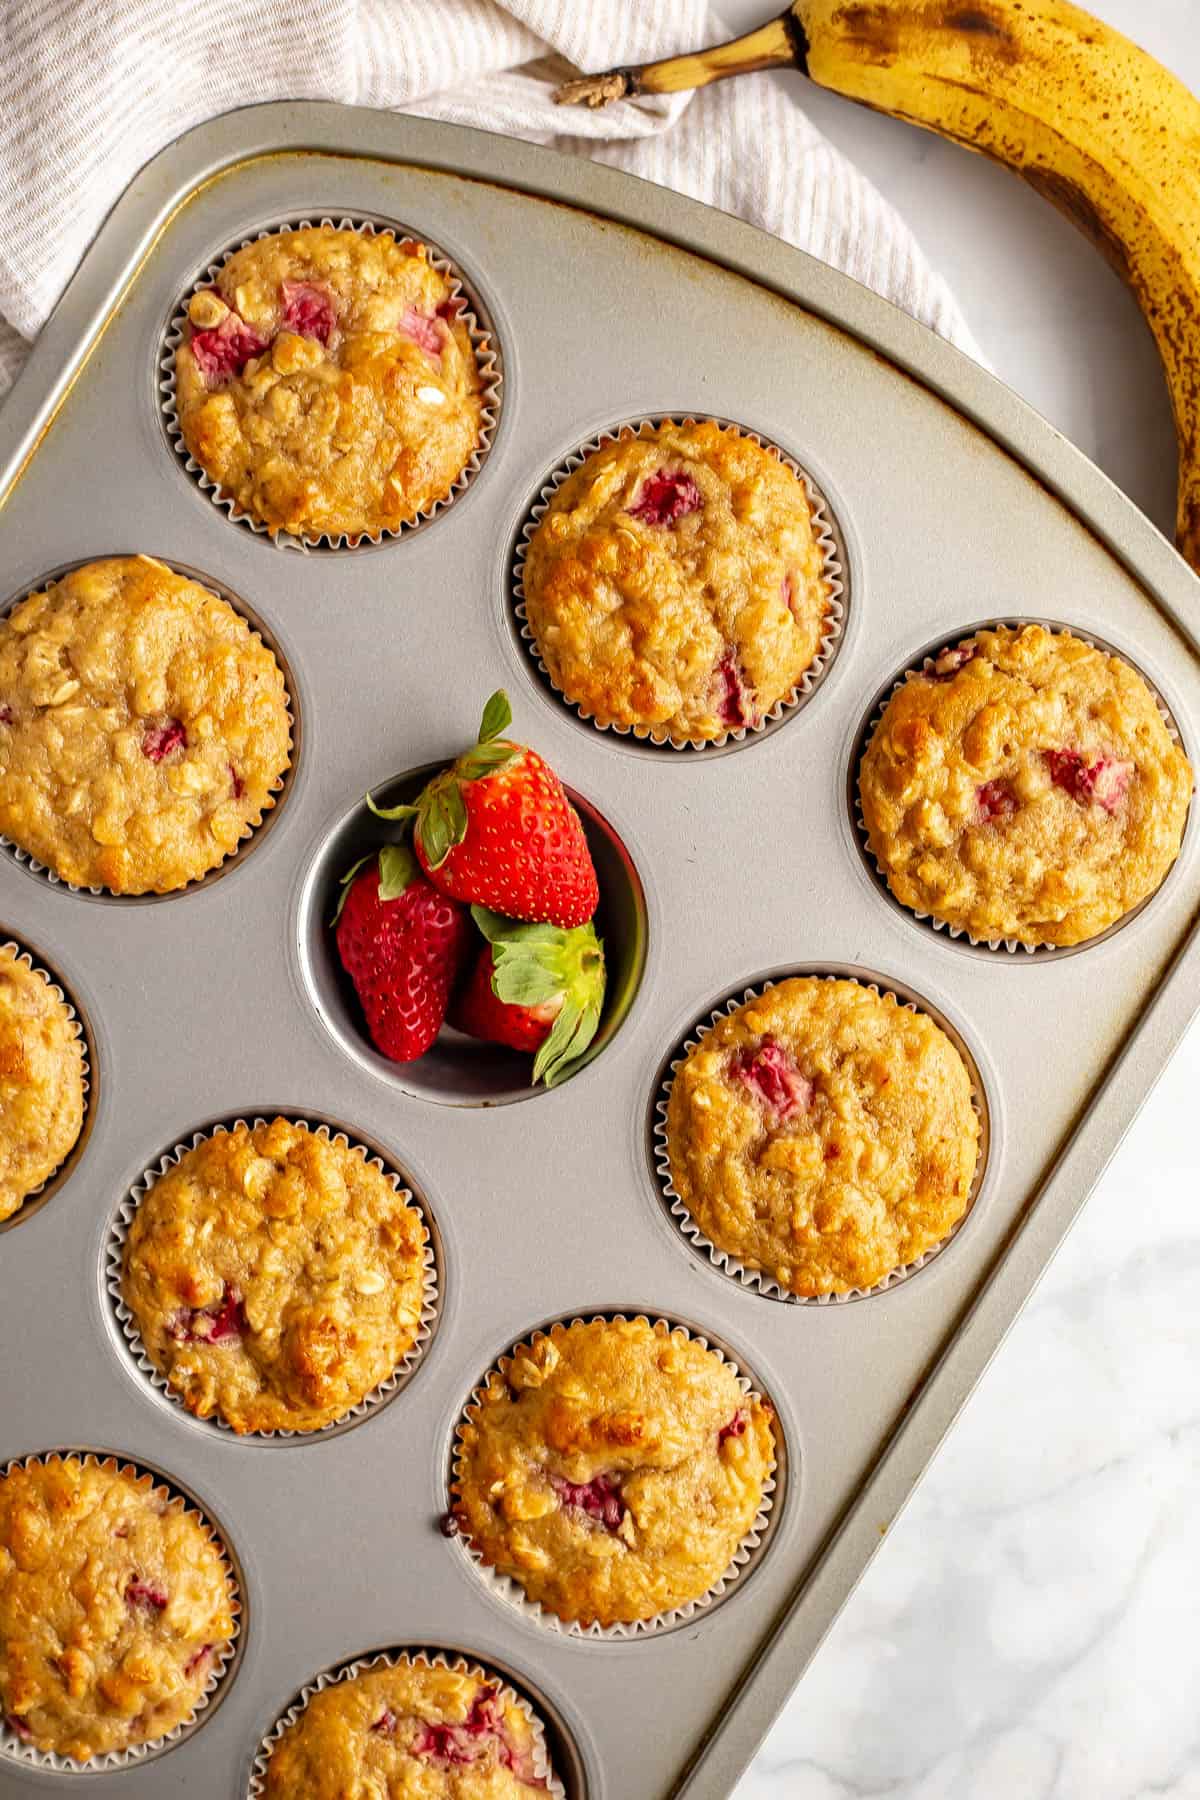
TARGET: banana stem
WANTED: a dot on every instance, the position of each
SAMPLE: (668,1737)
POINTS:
(778,44)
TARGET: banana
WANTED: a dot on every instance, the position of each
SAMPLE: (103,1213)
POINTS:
(1088,119)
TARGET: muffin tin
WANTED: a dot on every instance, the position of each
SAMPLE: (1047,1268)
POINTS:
(610,301)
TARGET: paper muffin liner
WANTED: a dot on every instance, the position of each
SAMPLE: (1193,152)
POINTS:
(834,576)
(392,1659)
(253,827)
(484,343)
(379,1396)
(746,1557)
(758,1280)
(922,664)
(225,1658)
(37,1196)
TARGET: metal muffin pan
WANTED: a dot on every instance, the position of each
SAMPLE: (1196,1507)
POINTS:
(204,1008)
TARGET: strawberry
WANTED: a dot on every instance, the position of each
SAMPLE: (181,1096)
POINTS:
(534,988)
(497,829)
(402,943)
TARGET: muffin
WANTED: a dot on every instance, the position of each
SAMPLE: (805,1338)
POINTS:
(41,1080)
(417,1728)
(116,1607)
(144,727)
(675,583)
(276,1277)
(1023,785)
(823,1135)
(327,383)
(612,1469)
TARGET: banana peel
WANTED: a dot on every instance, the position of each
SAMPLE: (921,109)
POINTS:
(1092,122)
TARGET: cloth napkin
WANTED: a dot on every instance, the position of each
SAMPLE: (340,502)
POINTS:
(94,88)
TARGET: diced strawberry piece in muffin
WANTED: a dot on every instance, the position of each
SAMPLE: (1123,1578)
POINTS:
(225,349)
(150,1594)
(308,309)
(195,1325)
(1104,779)
(599,1498)
(386,1723)
(238,785)
(158,741)
(426,330)
(773,1078)
(949,661)
(665,496)
(735,699)
(996,800)
(736,1426)
(6,715)
(199,1660)
(18,1727)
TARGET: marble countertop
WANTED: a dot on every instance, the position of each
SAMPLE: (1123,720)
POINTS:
(1028,1630)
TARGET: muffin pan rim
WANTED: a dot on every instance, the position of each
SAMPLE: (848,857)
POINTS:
(956,937)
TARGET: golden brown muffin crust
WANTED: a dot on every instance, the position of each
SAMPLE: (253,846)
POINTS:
(1024,787)
(115,1606)
(143,727)
(823,1134)
(328,382)
(276,1277)
(675,582)
(417,1729)
(612,1469)
(41,1080)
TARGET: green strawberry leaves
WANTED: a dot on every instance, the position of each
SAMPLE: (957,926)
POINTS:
(497,717)
(534,965)
(397,868)
(440,810)
(345,885)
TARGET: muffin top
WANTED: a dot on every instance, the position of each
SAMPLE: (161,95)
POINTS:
(115,1607)
(276,1277)
(417,1729)
(612,1469)
(143,727)
(327,382)
(41,1080)
(823,1134)
(1024,786)
(675,582)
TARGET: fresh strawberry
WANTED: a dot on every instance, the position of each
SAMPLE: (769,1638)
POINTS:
(496,828)
(534,988)
(402,943)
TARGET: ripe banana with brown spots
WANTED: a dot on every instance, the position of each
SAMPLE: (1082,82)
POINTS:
(1092,122)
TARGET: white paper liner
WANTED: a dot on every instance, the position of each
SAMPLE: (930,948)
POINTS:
(758,1280)
(392,1659)
(959,933)
(252,827)
(483,343)
(45,1188)
(224,1656)
(114,1253)
(745,1556)
(833,575)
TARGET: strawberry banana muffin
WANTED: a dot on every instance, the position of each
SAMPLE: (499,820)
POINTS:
(418,1729)
(823,1135)
(328,384)
(276,1277)
(675,585)
(41,1081)
(144,727)
(612,1469)
(115,1607)
(1024,786)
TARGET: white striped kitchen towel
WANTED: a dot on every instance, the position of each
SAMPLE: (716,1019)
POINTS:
(93,88)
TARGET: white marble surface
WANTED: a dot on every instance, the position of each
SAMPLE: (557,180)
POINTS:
(1029,1630)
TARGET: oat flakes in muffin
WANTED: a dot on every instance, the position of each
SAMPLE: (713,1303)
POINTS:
(115,1607)
(328,383)
(612,1468)
(143,727)
(675,583)
(1024,786)
(276,1277)
(41,1081)
(824,1135)
(417,1729)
